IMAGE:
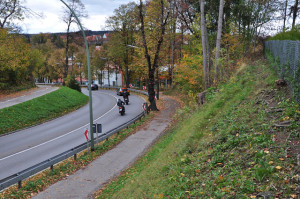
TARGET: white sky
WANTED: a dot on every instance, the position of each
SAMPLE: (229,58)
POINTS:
(52,10)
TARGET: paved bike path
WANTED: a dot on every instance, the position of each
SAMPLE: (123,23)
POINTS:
(86,181)
(41,90)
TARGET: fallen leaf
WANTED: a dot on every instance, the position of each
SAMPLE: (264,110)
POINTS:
(278,167)
(281,159)
(271,162)
(221,178)
(286,181)
(182,174)
(252,196)
(293,195)
(197,171)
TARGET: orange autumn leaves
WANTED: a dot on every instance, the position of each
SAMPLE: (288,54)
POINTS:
(189,73)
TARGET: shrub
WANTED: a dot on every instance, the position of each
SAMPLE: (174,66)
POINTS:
(72,83)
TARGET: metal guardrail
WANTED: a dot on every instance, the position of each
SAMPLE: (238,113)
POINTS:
(20,176)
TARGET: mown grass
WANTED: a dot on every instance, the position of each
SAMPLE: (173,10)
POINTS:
(229,148)
(35,111)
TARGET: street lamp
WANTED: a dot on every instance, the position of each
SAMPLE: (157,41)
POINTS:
(89,76)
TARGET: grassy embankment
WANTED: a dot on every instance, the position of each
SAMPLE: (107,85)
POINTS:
(241,144)
(40,109)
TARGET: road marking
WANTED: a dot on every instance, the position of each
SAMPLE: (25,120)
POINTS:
(20,152)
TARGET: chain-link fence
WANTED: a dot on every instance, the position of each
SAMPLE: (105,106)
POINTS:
(286,59)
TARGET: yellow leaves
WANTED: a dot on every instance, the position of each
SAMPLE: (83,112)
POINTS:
(293,195)
(252,196)
(159,196)
(282,159)
(271,162)
(182,174)
(285,118)
(278,167)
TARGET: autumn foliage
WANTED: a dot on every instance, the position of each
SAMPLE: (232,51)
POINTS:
(14,59)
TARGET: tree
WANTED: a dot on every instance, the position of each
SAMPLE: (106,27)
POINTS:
(14,60)
(204,45)
(10,10)
(123,23)
(218,43)
(78,7)
(294,10)
(155,29)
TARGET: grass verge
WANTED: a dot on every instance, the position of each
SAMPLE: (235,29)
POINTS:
(241,144)
(35,111)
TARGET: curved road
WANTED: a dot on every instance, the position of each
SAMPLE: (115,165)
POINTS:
(30,146)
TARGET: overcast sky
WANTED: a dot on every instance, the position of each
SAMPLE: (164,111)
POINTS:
(98,11)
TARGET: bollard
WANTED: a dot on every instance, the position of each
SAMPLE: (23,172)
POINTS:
(51,167)
(75,156)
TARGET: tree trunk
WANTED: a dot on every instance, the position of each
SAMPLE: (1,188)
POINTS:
(295,11)
(284,18)
(209,62)
(218,43)
(203,36)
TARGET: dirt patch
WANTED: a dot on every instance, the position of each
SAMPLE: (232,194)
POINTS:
(282,124)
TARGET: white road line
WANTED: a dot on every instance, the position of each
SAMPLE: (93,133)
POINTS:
(20,152)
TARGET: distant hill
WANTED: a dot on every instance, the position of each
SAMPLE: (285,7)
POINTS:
(87,32)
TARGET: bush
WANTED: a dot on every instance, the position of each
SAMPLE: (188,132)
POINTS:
(290,35)
(72,83)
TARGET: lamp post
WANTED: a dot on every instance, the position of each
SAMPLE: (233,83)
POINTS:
(89,76)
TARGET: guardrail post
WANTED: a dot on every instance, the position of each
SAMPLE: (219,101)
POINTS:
(20,184)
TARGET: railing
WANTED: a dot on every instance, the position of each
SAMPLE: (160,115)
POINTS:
(20,176)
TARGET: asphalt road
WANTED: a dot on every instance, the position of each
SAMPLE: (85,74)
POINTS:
(30,146)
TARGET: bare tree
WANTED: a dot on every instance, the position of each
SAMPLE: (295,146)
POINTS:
(11,10)
(218,43)
(153,65)
(78,7)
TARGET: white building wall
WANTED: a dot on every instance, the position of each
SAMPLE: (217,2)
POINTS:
(112,79)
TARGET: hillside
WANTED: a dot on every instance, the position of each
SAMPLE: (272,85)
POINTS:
(242,143)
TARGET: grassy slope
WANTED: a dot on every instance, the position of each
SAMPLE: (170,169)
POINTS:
(40,109)
(228,149)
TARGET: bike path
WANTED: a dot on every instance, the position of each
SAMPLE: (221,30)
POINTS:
(26,96)
(83,183)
